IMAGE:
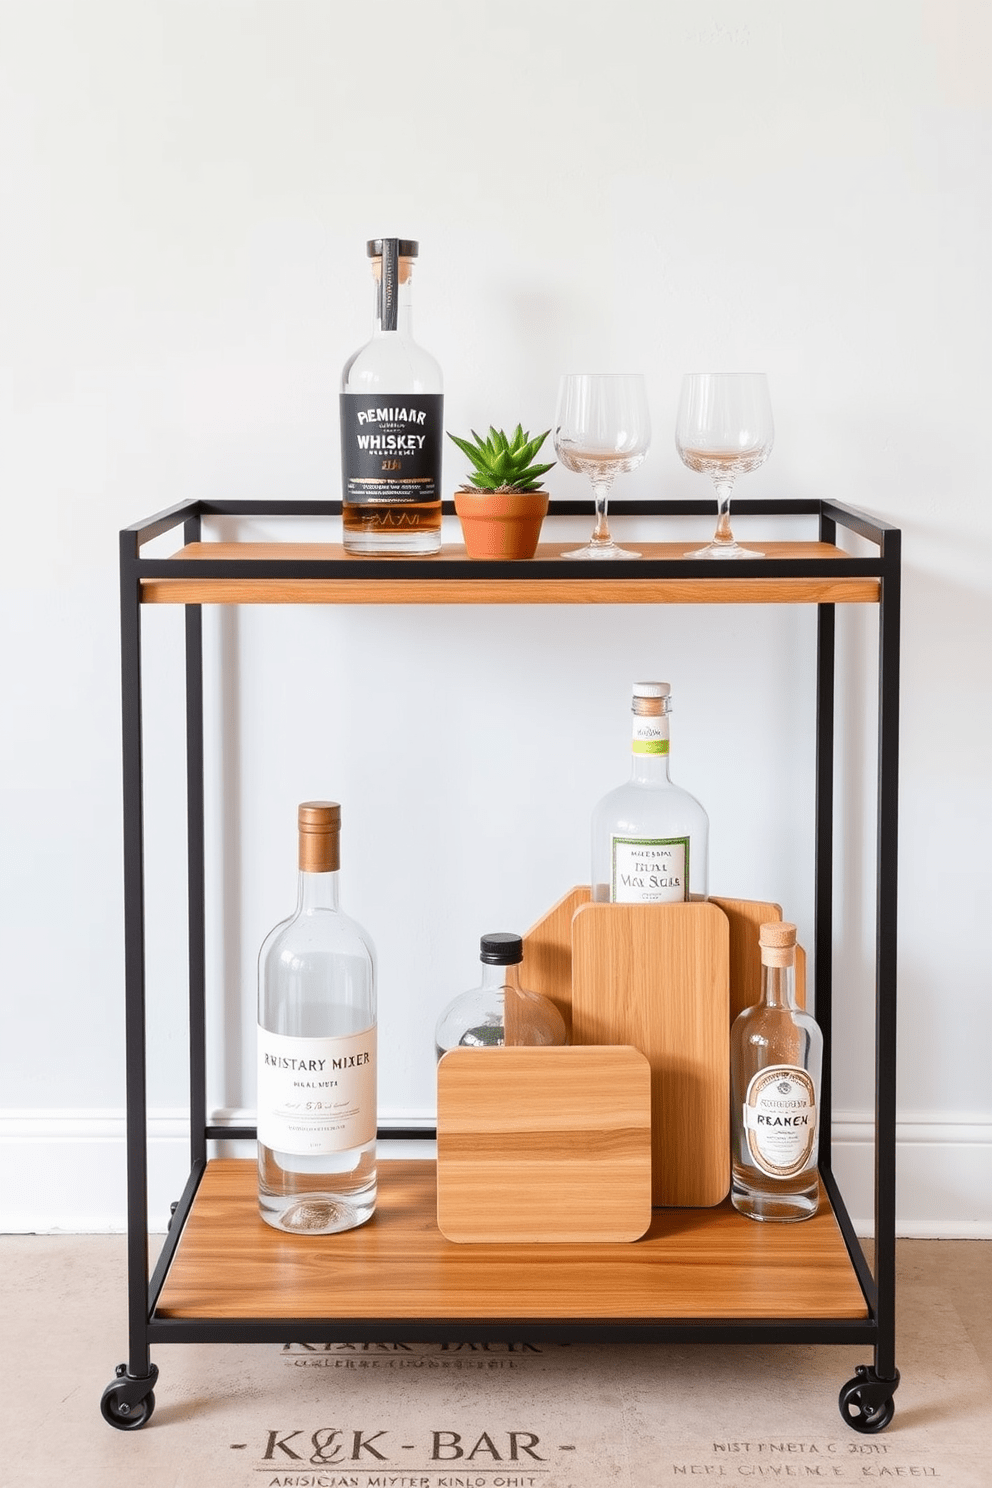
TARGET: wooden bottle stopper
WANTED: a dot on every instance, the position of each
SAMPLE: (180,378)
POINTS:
(777,940)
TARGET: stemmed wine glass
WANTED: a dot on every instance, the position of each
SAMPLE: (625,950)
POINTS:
(725,429)
(602,428)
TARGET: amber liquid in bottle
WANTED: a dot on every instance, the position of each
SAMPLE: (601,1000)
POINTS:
(413,518)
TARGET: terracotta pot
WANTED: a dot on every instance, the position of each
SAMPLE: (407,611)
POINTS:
(501,524)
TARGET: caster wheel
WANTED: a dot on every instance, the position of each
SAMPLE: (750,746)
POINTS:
(866,1403)
(121,1404)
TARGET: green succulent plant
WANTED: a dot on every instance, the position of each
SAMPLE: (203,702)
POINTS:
(502,464)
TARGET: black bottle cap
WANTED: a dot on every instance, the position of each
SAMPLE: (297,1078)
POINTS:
(405,247)
(501,949)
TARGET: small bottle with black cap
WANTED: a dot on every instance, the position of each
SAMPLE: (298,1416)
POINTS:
(391,422)
(499,1011)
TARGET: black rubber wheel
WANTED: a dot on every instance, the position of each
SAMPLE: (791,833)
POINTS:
(860,1412)
(121,1414)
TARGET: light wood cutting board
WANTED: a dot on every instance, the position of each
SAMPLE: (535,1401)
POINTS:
(656,976)
(547,964)
(543,1144)
(746,917)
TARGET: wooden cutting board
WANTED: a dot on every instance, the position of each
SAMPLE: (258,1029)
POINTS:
(547,964)
(746,917)
(539,1144)
(656,976)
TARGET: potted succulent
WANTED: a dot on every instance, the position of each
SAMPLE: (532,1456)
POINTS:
(502,506)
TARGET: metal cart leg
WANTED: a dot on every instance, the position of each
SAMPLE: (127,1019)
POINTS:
(866,1401)
(129,1400)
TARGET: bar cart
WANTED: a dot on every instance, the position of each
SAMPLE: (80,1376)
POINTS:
(699,1275)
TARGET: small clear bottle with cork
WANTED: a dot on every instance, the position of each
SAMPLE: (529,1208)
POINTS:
(776,1059)
(499,1011)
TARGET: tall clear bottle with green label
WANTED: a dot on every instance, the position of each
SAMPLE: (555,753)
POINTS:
(776,1058)
(650,838)
(391,422)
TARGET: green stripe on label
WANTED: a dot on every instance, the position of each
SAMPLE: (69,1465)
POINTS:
(650,746)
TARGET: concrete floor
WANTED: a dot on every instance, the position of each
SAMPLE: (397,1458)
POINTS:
(431,1416)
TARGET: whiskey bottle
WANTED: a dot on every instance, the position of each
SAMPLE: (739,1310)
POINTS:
(499,1011)
(776,1056)
(317,1050)
(391,422)
(649,837)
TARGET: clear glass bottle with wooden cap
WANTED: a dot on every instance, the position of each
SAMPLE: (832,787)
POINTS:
(650,838)
(776,1058)
(499,1011)
(317,1050)
(391,422)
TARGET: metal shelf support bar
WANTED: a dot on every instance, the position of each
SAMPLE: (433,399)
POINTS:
(195,874)
(826,628)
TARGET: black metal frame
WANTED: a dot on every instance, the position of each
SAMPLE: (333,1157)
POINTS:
(871,1392)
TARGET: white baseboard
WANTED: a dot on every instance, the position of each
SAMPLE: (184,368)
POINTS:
(943,1175)
(64,1170)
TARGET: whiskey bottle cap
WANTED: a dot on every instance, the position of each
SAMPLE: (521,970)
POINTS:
(319,816)
(319,826)
(405,247)
(653,689)
(501,949)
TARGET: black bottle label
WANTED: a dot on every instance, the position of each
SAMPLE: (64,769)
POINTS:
(391,447)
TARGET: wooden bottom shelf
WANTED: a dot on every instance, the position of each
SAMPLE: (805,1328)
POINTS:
(693,1263)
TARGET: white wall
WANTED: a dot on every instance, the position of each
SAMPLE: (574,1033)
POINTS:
(658,184)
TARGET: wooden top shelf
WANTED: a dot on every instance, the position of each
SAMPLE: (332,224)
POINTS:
(659,577)
(693,1263)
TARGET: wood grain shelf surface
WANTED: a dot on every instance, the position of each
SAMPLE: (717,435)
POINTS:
(472,585)
(692,1263)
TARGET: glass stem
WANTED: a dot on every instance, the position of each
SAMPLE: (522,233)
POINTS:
(601,533)
(724,491)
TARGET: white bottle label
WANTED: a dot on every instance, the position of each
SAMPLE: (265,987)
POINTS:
(316,1095)
(780,1120)
(650,734)
(649,870)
